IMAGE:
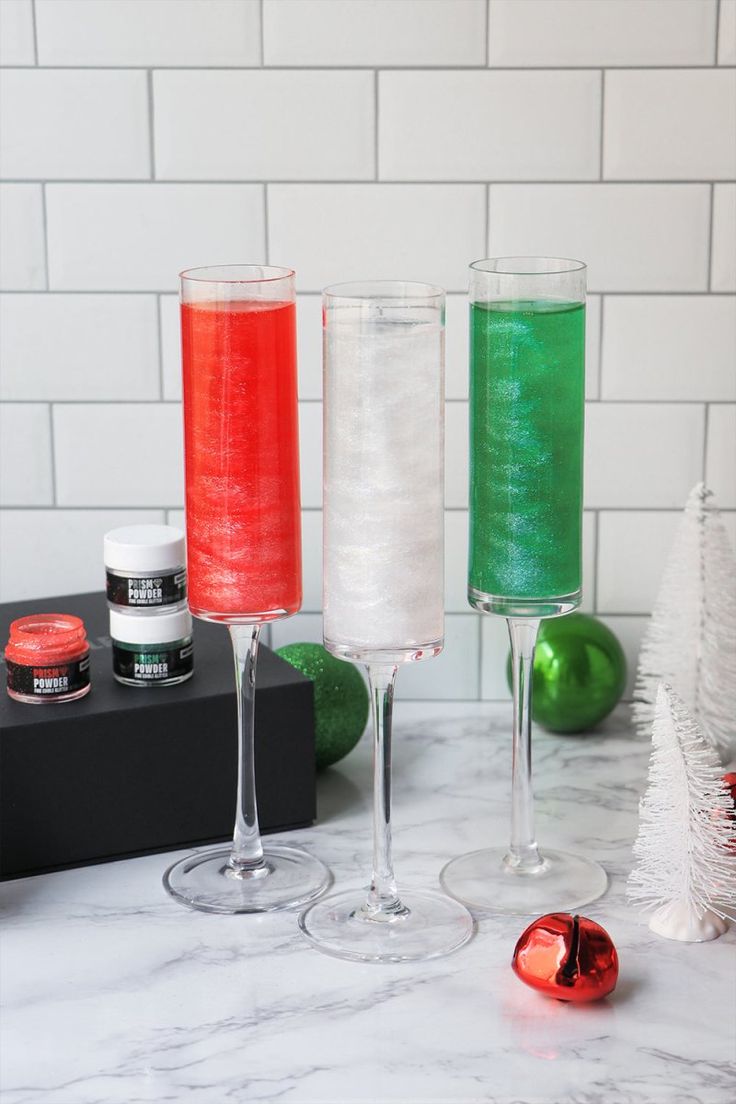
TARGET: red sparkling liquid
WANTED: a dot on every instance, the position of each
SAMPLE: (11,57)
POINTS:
(241,444)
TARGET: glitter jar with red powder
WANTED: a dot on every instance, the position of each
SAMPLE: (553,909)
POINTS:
(47,658)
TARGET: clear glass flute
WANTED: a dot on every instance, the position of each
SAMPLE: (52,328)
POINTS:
(383,571)
(527,390)
(241,451)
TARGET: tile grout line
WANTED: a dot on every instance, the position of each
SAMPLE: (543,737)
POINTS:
(718,32)
(366,181)
(704,462)
(305,292)
(53,454)
(151,123)
(596,556)
(45,229)
(710,236)
(266,229)
(263,34)
(600,347)
(376,175)
(487,226)
(488,33)
(602,124)
(403,68)
(160,346)
(674,510)
(35,32)
(480,657)
(314,402)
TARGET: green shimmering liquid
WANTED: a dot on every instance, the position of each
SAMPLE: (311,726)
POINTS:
(527,367)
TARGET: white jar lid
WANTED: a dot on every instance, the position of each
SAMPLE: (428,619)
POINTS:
(161,628)
(144,548)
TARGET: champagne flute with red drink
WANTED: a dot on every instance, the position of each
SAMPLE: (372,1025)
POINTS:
(241,446)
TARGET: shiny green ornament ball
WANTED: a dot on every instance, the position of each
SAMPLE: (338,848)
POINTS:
(340,699)
(579,673)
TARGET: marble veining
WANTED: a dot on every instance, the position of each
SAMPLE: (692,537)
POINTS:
(113,994)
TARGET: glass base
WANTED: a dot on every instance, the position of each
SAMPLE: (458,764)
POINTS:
(261,618)
(486,882)
(357,653)
(431,926)
(524,607)
(205,881)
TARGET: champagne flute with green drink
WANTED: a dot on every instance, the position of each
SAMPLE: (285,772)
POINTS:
(527,384)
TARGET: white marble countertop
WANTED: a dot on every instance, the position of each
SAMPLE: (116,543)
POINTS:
(113,994)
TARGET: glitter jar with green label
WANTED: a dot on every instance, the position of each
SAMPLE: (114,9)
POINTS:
(152,651)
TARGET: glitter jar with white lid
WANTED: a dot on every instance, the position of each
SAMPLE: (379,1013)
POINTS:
(145,568)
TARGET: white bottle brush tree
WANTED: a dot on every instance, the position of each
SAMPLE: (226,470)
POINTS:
(686,848)
(691,639)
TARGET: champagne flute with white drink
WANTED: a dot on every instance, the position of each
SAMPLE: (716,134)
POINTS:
(383,570)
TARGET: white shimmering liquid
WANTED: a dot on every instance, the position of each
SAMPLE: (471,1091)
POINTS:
(383,489)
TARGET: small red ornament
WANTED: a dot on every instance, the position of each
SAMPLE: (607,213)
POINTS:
(567,957)
(729,781)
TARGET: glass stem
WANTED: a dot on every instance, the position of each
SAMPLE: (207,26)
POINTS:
(246,857)
(383,899)
(523,851)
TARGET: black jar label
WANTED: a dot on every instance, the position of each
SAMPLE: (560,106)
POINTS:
(148,592)
(151,663)
(51,681)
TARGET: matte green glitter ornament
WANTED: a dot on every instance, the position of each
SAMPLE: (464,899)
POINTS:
(579,673)
(341,701)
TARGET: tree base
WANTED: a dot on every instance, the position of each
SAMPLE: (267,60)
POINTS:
(680,920)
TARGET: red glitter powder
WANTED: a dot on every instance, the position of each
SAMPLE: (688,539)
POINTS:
(47,658)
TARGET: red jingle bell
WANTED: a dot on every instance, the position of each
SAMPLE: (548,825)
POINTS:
(567,957)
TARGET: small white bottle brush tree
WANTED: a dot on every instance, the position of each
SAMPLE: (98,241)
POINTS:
(686,848)
(691,639)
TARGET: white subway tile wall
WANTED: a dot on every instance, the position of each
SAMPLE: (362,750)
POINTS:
(631,550)
(310,441)
(720,459)
(605,32)
(59,551)
(723,251)
(670,124)
(79,347)
(25,452)
(62,109)
(309,351)
(137,237)
(22,233)
(727,33)
(148,32)
(669,347)
(634,237)
(646,455)
(17,43)
(264,124)
(118,454)
(168,306)
(363,139)
(558,114)
(363,32)
(333,232)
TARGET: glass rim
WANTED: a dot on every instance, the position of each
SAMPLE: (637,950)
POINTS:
(274,273)
(523,266)
(381,289)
